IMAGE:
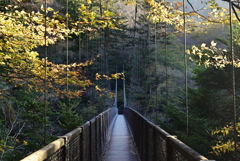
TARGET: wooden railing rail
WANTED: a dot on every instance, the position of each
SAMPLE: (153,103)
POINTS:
(155,144)
(86,143)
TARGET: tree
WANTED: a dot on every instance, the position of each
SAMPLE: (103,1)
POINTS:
(216,92)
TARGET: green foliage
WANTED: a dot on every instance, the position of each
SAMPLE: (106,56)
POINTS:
(34,114)
(174,52)
(69,119)
(198,138)
(214,87)
(23,129)
(224,137)
(215,92)
(166,12)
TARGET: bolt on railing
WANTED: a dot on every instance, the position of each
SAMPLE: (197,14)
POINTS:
(155,144)
(86,143)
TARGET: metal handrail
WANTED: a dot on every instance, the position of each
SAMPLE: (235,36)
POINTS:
(155,144)
(85,143)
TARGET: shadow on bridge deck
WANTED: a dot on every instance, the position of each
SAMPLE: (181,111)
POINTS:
(120,146)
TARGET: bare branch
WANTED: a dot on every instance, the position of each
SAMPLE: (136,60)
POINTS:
(234,5)
(195,11)
(235,12)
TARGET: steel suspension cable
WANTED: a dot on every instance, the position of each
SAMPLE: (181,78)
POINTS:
(135,69)
(105,65)
(155,48)
(100,41)
(124,90)
(233,83)
(166,71)
(135,21)
(45,70)
(79,48)
(185,68)
(136,53)
(116,92)
(67,15)
(147,85)
(100,4)
(88,97)
(138,56)
(101,52)
(148,42)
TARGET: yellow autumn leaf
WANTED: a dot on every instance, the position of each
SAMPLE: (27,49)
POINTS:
(25,142)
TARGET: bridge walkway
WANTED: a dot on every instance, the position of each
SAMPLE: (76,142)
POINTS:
(120,146)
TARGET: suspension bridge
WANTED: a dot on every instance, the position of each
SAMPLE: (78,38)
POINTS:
(111,136)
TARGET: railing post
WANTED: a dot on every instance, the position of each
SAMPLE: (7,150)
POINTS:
(66,148)
(81,146)
(86,141)
(98,151)
(169,149)
(101,132)
(90,141)
(154,144)
(146,142)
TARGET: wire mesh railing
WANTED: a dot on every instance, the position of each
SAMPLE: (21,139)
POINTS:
(85,143)
(155,144)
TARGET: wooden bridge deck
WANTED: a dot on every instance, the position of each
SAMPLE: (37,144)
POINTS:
(120,146)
